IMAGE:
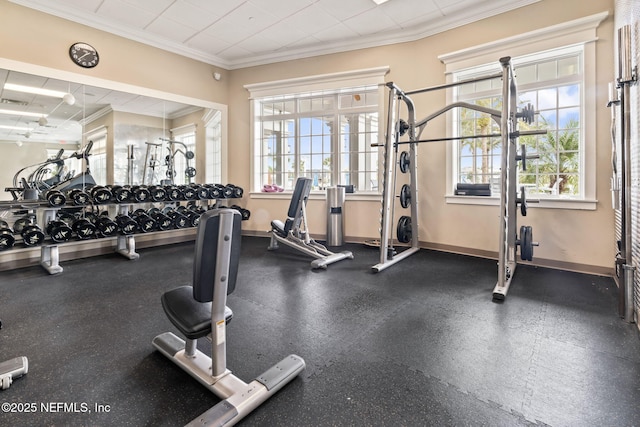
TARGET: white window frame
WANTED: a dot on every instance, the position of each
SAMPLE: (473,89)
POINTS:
(316,83)
(581,31)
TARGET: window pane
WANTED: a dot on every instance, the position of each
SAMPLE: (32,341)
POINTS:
(547,71)
(526,74)
(568,66)
(568,95)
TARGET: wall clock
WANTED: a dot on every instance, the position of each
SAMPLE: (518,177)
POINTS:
(84,55)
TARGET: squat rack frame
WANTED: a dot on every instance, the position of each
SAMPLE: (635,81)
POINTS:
(506,118)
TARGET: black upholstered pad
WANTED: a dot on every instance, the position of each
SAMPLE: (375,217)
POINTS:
(191,317)
(278,227)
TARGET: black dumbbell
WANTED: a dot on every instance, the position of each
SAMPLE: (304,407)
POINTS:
(174,193)
(179,219)
(245,213)
(6,236)
(158,193)
(163,222)
(84,229)
(203,192)
(126,224)
(144,221)
(106,226)
(55,198)
(59,231)
(32,235)
(121,194)
(78,197)
(141,193)
(189,192)
(214,191)
(101,194)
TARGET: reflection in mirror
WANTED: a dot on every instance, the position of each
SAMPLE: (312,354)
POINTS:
(135,139)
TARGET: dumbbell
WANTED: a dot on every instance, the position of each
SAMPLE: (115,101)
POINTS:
(174,193)
(31,233)
(121,194)
(245,213)
(84,229)
(101,194)
(158,193)
(144,221)
(178,219)
(188,192)
(126,224)
(214,191)
(163,222)
(106,226)
(78,197)
(59,231)
(233,191)
(141,193)
(55,198)
(6,236)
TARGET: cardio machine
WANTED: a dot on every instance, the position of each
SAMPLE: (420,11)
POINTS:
(200,311)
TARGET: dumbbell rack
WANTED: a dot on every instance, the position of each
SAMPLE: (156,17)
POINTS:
(125,244)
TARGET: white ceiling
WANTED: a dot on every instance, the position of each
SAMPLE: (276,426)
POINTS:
(229,34)
(239,33)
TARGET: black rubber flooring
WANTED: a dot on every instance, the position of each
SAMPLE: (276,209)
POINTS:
(419,344)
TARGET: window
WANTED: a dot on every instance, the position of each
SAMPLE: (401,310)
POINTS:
(555,70)
(552,84)
(324,134)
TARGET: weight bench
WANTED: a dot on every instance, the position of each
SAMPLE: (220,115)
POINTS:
(294,233)
(200,311)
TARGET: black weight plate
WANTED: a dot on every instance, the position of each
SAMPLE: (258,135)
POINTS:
(121,194)
(106,226)
(158,194)
(20,224)
(126,224)
(523,201)
(190,193)
(405,196)
(190,172)
(101,195)
(3,224)
(6,240)
(403,231)
(59,231)
(85,229)
(56,198)
(32,235)
(404,162)
(141,194)
(146,223)
(526,243)
(246,214)
(228,191)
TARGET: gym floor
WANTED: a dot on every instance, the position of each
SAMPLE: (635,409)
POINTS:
(419,344)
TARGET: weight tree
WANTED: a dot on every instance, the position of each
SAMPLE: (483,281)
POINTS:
(406,161)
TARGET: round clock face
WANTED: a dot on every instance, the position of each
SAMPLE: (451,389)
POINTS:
(84,55)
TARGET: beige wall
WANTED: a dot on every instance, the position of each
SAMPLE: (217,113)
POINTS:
(583,238)
(578,239)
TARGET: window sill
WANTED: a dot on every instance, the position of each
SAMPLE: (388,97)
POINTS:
(577,204)
(317,195)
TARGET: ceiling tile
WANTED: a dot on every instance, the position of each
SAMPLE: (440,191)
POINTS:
(371,22)
(190,15)
(124,14)
(283,8)
(216,7)
(155,7)
(311,20)
(338,32)
(171,30)
(342,10)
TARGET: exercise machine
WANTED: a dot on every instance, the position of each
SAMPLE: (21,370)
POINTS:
(12,369)
(622,187)
(406,161)
(35,185)
(200,311)
(170,160)
(295,234)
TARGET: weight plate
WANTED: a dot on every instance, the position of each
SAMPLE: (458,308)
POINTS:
(526,243)
(121,194)
(238,192)
(523,201)
(141,194)
(404,162)
(158,194)
(405,196)
(101,195)
(403,231)
(6,239)
(106,226)
(190,172)
(32,235)
(55,198)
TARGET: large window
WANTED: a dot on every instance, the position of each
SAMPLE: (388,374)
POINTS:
(555,69)
(552,84)
(325,134)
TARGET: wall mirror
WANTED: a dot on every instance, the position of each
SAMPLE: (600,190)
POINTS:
(135,138)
